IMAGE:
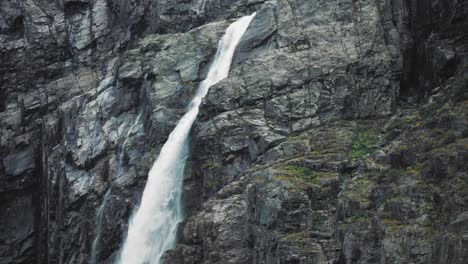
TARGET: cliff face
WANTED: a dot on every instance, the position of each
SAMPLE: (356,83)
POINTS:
(306,153)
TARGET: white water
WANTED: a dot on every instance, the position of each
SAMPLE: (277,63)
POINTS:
(152,230)
(100,215)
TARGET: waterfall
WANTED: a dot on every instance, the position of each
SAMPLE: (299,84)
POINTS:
(152,230)
(100,212)
(100,216)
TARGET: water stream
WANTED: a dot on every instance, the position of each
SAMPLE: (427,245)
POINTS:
(152,229)
(99,218)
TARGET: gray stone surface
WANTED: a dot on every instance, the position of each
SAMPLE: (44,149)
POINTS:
(282,169)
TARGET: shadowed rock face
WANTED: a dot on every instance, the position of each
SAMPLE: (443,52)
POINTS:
(435,44)
(302,155)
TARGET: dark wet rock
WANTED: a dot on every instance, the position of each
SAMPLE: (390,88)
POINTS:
(451,246)
(16,164)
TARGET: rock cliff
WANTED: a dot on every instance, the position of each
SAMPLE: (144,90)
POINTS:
(340,135)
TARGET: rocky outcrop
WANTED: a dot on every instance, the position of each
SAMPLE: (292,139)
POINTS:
(366,191)
(304,154)
(75,116)
(435,45)
(269,197)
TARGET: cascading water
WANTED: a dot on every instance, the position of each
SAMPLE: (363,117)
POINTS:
(152,230)
(135,128)
(100,215)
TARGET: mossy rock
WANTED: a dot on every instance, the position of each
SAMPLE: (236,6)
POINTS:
(415,170)
(298,236)
(323,177)
(302,177)
(364,143)
(357,219)
(395,228)
(359,190)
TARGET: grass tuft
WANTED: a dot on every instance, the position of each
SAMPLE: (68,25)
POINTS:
(363,144)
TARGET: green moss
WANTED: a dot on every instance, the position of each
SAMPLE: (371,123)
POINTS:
(416,170)
(357,219)
(299,236)
(395,228)
(297,183)
(363,144)
(318,177)
(297,171)
(302,177)
(296,174)
(285,178)
(303,241)
(428,206)
(359,190)
(295,137)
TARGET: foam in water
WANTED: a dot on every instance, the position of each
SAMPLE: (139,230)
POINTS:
(152,230)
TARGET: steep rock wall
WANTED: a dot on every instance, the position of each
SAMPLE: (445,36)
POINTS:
(91,89)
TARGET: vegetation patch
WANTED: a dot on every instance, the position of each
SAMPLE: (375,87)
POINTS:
(395,228)
(296,171)
(296,137)
(302,177)
(363,144)
(298,175)
(299,236)
(319,177)
(415,170)
(357,219)
(359,190)
(294,180)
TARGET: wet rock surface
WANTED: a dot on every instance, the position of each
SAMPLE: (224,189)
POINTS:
(304,154)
